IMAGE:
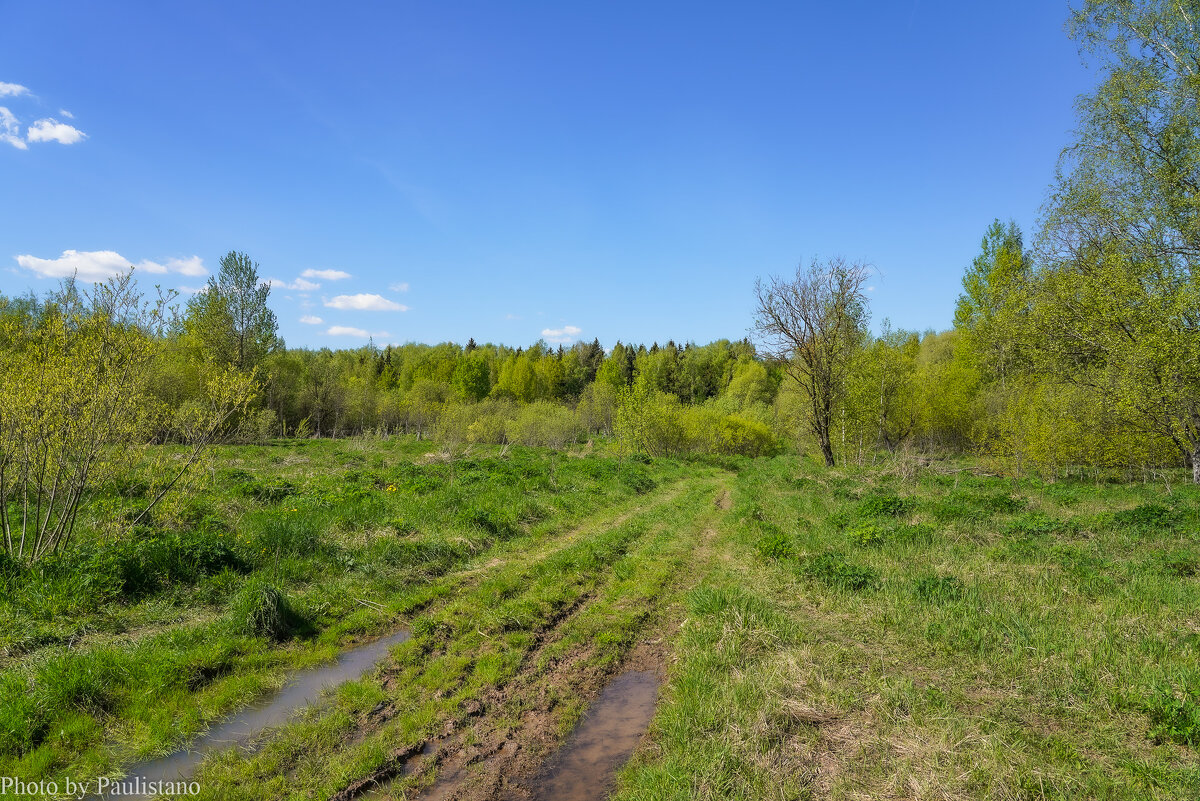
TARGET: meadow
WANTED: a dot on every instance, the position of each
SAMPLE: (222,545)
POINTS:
(848,633)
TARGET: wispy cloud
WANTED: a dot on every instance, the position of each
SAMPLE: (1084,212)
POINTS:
(347,331)
(400,287)
(364,302)
(193,267)
(299,285)
(327,275)
(100,265)
(10,130)
(561,335)
(308,319)
(51,130)
(12,89)
(63,112)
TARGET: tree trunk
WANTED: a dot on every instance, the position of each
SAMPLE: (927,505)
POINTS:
(1196,463)
(827,450)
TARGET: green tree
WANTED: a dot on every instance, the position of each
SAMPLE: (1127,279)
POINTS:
(230,319)
(1119,295)
(994,297)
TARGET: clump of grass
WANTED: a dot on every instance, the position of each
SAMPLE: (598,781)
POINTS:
(1036,525)
(291,535)
(261,610)
(833,569)
(938,589)
(1181,564)
(1148,518)
(1173,718)
(868,535)
(774,544)
(884,505)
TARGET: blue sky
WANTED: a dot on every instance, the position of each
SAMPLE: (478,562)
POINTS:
(509,171)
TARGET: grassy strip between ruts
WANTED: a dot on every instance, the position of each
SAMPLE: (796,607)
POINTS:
(948,637)
(593,595)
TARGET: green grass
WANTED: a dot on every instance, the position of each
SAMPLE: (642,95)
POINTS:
(836,634)
(937,638)
(122,649)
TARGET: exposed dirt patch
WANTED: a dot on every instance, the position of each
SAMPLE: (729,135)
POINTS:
(724,501)
(497,749)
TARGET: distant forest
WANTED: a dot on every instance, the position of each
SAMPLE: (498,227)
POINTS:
(1077,351)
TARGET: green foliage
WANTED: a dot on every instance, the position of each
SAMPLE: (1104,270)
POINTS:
(1174,718)
(884,505)
(261,610)
(833,569)
(939,589)
(230,321)
(774,543)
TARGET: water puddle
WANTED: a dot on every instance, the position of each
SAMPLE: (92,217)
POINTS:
(301,690)
(583,769)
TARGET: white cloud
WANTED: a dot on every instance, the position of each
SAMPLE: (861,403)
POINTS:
(328,275)
(308,319)
(66,114)
(512,317)
(193,290)
(13,89)
(364,302)
(300,285)
(90,266)
(51,130)
(10,130)
(347,331)
(193,267)
(561,335)
(100,265)
(870,289)
(401,287)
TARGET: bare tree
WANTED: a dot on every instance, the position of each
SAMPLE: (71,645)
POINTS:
(813,324)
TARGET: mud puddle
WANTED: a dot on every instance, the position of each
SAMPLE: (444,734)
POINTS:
(584,767)
(302,689)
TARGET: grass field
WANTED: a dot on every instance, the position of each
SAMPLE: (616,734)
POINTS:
(820,633)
